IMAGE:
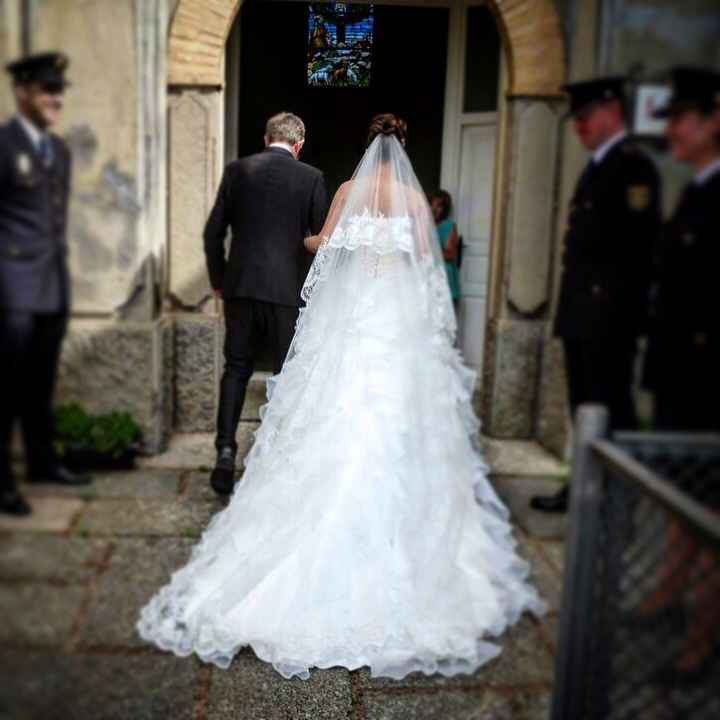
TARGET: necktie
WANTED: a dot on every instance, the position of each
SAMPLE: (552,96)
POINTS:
(46,153)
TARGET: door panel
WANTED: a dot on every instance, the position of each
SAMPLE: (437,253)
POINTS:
(474,217)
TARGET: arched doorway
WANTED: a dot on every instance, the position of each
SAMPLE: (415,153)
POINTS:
(533,43)
(524,139)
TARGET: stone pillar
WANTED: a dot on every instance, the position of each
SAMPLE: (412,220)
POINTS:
(512,370)
(118,355)
(10,22)
(196,122)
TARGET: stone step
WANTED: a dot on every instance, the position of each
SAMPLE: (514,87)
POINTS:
(518,471)
(255,397)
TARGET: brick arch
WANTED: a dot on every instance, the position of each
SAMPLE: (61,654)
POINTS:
(531,29)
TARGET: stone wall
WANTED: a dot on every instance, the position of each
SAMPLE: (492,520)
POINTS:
(117,63)
(119,353)
(122,366)
(9,49)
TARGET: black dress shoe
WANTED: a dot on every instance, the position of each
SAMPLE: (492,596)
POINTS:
(59,475)
(13,503)
(222,479)
(557,503)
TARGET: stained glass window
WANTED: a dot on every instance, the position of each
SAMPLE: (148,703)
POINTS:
(340,42)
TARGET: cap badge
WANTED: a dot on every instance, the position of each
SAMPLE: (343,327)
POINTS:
(24,164)
(638,197)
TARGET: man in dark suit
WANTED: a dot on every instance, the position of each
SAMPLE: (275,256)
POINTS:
(271,201)
(612,231)
(684,344)
(34,283)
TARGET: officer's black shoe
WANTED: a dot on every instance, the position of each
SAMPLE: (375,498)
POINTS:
(13,503)
(557,503)
(222,479)
(59,475)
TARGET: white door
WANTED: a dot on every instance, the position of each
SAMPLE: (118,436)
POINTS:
(468,173)
(473,212)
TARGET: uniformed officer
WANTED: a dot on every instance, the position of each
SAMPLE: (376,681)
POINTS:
(34,286)
(613,227)
(684,349)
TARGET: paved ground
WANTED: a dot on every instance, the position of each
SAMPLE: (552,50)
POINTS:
(74,575)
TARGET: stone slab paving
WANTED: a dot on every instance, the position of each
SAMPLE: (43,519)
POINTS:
(50,514)
(151,516)
(72,583)
(45,557)
(137,568)
(477,704)
(251,690)
(39,686)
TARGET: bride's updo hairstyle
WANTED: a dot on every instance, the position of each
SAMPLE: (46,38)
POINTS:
(388,124)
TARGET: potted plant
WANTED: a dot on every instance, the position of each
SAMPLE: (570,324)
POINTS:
(96,442)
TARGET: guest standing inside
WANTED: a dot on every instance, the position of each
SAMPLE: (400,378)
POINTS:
(441,204)
(271,201)
(34,282)
(612,230)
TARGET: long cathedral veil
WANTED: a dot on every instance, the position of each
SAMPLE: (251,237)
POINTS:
(379,231)
(378,279)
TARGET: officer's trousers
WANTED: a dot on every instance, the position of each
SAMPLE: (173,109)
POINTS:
(29,353)
(601,371)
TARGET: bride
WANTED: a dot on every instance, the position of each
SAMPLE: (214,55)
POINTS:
(364,531)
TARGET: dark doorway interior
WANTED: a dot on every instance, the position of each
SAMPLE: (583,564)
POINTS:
(408,78)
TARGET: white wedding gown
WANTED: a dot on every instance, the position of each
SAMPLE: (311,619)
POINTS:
(364,531)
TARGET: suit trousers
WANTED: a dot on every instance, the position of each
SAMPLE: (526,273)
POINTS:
(249,324)
(601,371)
(29,354)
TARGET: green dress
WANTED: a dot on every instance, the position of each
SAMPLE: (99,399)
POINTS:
(453,272)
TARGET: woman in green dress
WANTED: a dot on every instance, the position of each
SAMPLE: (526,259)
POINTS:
(441,204)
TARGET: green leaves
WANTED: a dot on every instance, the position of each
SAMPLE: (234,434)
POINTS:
(111,434)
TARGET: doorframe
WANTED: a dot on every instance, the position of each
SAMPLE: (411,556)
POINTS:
(455,120)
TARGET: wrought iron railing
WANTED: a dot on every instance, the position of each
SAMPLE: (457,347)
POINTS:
(639,633)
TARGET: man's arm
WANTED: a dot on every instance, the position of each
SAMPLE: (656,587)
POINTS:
(330,219)
(215,232)
(319,205)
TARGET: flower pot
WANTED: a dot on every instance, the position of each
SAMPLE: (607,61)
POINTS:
(81,459)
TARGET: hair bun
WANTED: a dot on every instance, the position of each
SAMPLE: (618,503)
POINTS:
(388,125)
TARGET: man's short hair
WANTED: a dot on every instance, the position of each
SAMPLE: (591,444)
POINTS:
(285,127)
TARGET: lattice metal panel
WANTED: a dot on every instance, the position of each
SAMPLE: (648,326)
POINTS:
(654,651)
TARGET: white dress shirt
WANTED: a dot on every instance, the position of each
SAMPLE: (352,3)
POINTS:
(707,172)
(31,131)
(282,145)
(608,145)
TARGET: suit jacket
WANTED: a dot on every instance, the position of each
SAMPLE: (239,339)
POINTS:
(613,229)
(271,201)
(684,341)
(33,217)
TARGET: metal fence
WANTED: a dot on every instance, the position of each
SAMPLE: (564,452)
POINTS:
(639,635)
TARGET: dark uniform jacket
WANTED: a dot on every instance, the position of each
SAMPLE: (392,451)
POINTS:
(684,345)
(271,201)
(613,228)
(33,217)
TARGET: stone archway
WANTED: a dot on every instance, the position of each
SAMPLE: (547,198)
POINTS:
(522,245)
(532,31)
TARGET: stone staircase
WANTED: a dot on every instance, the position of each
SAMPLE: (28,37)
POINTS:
(518,469)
